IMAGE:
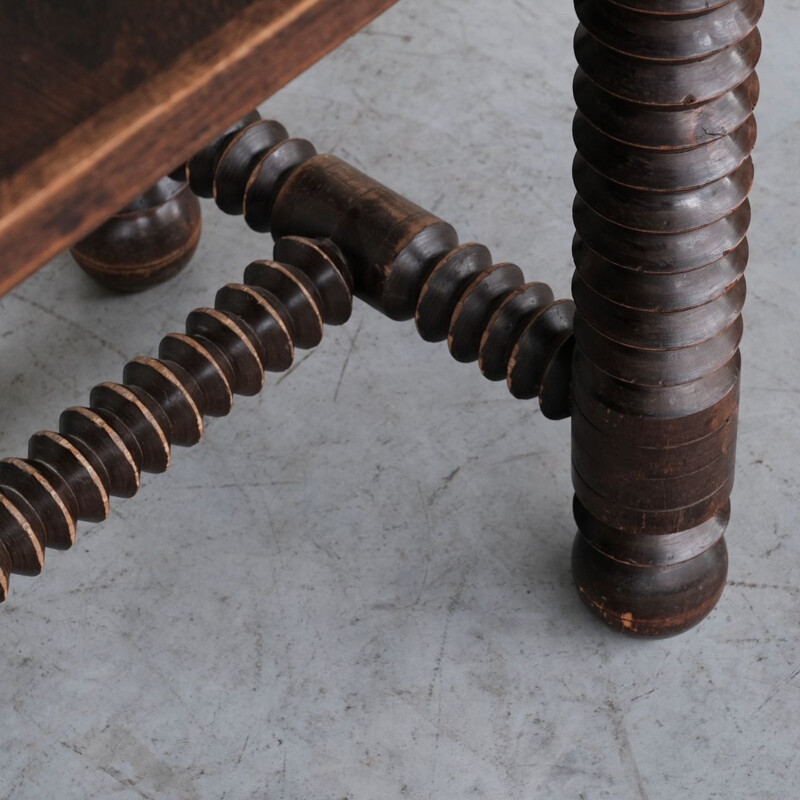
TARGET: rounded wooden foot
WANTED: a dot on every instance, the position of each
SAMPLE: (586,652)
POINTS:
(147,242)
(657,585)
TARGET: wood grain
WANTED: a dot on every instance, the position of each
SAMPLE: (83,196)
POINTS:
(100,100)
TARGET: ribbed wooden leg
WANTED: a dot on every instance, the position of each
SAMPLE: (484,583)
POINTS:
(100,450)
(147,242)
(665,92)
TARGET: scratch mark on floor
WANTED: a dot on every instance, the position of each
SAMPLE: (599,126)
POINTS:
(777,689)
(127,783)
(347,360)
(625,750)
(436,681)
(88,331)
(520,457)
(640,696)
(793,590)
(244,747)
(443,486)
(294,367)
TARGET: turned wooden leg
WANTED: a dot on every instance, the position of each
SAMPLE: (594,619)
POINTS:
(665,92)
(150,240)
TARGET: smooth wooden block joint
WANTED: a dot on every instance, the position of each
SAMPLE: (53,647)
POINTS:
(403,260)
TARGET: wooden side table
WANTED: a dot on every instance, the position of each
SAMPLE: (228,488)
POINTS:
(645,358)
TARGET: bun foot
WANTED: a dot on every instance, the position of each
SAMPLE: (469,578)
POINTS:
(147,242)
(649,601)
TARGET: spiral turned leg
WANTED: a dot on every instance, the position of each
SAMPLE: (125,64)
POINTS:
(129,428)
(665,91)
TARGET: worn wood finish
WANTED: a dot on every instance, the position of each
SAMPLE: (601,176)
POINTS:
(476,307)
(683,127)
(658,291)
(153,238)
(679,82)
(244,150)
(391,242)
(446,284)
(199,171)
(664,130)
(114,95)
(641,35)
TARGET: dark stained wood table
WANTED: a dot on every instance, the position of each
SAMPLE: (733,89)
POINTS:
(103,99)
(100,98)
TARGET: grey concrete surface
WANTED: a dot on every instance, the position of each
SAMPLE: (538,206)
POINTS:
(357,586)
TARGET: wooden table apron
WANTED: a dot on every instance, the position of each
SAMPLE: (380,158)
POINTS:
(100,100)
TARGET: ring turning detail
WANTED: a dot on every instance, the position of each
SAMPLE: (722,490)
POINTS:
(664,130)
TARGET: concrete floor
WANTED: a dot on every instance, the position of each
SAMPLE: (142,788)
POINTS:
(358,585)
